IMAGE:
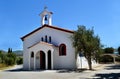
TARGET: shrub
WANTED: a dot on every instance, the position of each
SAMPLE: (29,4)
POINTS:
(117,59)
(19,60)
(106,59)
(8,58)
(9,61)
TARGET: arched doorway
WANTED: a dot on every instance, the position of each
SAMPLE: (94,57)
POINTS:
(49,59)
(42,60)
(32,60)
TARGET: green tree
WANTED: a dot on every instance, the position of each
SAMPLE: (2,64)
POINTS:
(119,50)
(2,57)
(19,60)
(9,50)
(109,50)
(9,61)
(98,54)
(86,42)
(10,58)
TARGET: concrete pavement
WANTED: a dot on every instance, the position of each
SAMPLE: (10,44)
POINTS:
(109,71)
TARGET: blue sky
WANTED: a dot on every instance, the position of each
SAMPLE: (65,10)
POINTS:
(19,17)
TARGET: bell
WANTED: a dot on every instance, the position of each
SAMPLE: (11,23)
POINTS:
(45,17)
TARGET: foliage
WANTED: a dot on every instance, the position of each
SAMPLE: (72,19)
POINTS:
(117,59)
(11,55)
(98,54)
(2,57)
(119,50)
(19,60)
(9,61)
(9,50)
(106,59)
(109,50)
(86,42)
(8,58)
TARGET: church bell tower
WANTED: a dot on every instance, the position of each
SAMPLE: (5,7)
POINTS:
(46,17)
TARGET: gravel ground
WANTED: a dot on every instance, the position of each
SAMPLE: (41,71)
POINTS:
(108,71)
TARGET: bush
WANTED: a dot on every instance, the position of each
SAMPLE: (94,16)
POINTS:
(2,57)
(106,59)
(9,61)
(19,60)
(11,55)
(117,59)
(8,58)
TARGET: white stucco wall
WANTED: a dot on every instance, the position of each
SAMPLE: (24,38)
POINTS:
(82,62)
(37,61)
(26,56)
(58,37)
(31,63)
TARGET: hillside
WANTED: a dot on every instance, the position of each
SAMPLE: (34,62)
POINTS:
(18,52)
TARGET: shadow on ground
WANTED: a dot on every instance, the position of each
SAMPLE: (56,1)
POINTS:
(107,76)
(21,70)
(57,71)
(14,70)
(70,71)
(116,66)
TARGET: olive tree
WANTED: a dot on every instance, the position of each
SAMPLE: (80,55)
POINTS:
(85,41)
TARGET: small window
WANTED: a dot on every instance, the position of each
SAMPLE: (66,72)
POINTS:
(42,39)
(46,38)
(62,49)
(32,54)
(50,39)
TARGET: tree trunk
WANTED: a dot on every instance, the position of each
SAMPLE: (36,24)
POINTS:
(89,63)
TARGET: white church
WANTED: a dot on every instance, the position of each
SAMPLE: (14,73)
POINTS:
(50,47)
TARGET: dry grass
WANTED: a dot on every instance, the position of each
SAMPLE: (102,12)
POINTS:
(4,66)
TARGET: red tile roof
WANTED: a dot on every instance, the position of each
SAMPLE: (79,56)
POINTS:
(53,27)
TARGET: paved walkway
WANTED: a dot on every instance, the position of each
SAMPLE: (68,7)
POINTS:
(109,71)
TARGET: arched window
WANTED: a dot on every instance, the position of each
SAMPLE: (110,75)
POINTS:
(32,54)
(49,39)
(62,50)
(46,38)
(42,39)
